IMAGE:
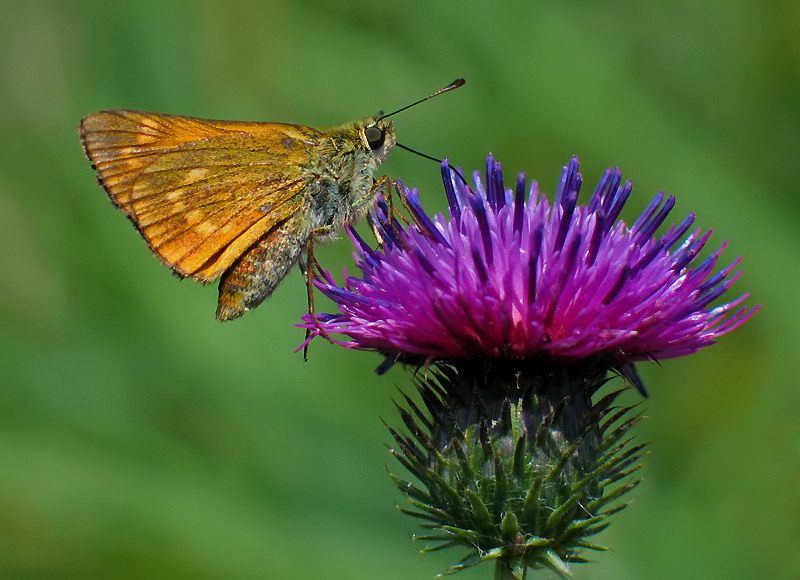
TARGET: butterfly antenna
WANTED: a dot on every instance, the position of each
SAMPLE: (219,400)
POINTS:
(454,85)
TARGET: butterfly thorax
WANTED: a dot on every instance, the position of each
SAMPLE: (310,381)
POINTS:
(343,191)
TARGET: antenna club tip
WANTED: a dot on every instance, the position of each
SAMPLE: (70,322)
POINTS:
(454,85)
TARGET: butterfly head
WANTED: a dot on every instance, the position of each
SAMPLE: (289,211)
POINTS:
(378,136)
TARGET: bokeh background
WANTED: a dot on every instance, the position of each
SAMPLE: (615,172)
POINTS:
(141,438)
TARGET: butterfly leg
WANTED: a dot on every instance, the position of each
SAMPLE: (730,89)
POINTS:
(307,267)
(404,201)
(255,275)
(383,186)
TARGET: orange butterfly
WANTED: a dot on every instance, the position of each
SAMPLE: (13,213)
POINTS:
(236,201)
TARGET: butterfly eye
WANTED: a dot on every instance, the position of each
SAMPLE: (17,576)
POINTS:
(375,137)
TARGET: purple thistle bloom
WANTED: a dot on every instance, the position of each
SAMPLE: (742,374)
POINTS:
(510,278)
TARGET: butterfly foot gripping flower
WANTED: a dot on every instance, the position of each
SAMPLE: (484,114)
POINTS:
(516,313)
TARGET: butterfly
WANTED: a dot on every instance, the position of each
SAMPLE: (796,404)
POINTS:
(238,202)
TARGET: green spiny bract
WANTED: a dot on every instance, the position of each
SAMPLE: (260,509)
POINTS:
(515,462)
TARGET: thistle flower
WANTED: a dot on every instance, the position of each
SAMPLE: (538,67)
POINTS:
(519,311)
(508,278)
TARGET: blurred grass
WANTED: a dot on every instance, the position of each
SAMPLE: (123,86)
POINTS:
(140,438)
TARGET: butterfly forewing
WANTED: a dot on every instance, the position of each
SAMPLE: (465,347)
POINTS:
(199,209)
(200,192)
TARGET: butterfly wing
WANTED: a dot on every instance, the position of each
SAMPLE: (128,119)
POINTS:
(200,192)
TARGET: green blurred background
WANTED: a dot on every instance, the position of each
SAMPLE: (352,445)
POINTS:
(141,438)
